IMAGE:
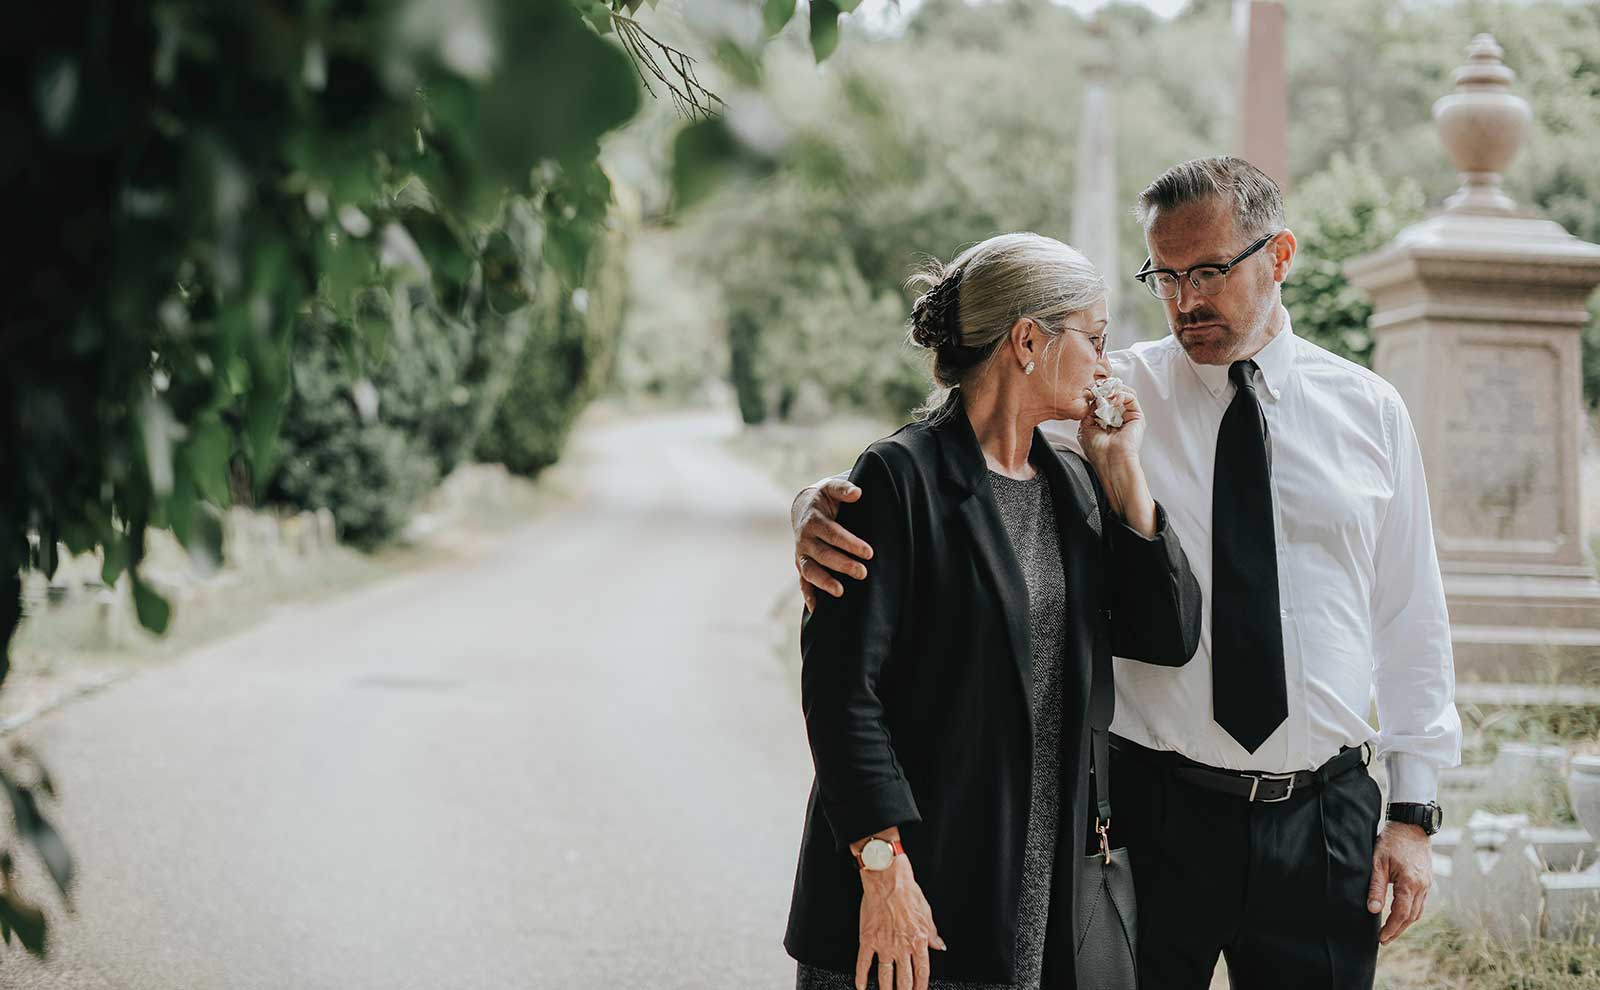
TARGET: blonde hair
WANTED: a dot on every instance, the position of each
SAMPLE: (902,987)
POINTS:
(971,302)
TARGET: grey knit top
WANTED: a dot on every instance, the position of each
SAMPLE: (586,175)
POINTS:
(1029,516)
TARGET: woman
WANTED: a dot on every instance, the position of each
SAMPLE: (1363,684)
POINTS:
(948,698)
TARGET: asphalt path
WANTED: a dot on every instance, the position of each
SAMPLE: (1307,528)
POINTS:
(571,758)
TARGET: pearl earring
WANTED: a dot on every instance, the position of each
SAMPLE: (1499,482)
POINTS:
(1029,369)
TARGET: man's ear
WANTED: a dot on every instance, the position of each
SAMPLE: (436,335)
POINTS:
(1283,248)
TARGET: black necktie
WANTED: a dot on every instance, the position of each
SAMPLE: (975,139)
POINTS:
(1247,686)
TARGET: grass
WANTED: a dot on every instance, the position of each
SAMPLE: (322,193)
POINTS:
(1434,955)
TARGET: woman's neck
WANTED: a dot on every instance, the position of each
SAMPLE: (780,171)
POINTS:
(1003,427)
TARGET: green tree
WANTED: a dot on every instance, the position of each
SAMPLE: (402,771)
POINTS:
(1342,212)
(204,179)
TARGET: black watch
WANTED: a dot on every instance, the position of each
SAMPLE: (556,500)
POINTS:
(1429,817)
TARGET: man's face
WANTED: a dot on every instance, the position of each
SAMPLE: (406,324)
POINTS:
(1237,322)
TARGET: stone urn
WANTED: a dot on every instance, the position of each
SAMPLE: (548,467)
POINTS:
(1583,787)
(1482,124)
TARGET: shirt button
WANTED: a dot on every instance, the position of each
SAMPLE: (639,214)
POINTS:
(1283,613)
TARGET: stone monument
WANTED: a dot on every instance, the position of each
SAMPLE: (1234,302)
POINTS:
(1477,313)
(1094,194)
(1263,89)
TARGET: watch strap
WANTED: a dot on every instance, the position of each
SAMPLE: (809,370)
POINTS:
(1428,816)
(899,850)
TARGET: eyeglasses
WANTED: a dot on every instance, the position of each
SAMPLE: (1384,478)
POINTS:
(1206,279)
(1097,340)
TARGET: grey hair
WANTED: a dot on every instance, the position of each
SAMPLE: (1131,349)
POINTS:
(1256,200)
(971,302)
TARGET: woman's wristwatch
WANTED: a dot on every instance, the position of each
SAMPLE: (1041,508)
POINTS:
(878,854)
(1429,817)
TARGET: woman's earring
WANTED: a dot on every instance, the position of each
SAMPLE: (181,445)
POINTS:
(1029,369)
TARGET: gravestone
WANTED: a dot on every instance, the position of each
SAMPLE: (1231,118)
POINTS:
(1477,314)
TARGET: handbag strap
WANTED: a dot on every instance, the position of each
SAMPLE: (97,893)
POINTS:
(1101,766)
(1100,771)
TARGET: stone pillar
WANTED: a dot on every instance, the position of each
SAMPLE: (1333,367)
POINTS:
(1477,313)
(1094,195)
(1263,137)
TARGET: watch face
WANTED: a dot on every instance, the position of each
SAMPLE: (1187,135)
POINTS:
(1435,819)
(877,855)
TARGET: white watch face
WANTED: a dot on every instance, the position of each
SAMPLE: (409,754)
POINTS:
(877,855)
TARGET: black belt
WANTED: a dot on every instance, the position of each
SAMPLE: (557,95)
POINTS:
(1266,788)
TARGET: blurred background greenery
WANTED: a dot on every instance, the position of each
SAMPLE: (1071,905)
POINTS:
(317,254)
(936,126)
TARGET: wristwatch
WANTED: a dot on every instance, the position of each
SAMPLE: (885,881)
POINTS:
(878,854)
(1429,817)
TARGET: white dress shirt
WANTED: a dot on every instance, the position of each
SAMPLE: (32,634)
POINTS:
(1362,602)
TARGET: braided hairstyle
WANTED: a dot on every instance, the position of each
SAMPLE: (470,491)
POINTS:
(969,304)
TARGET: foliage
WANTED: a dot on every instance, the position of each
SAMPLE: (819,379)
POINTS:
(922,140)
(881,166)
(569,352)
(207,170)
(367,446)
(1342,212)
(207,178)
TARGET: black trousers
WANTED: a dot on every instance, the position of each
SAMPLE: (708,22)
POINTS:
(1279,890)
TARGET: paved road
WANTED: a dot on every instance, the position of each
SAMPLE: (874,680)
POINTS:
(574,760)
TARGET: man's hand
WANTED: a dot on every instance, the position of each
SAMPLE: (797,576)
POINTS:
(823,548)
(1404,858)
(897,927)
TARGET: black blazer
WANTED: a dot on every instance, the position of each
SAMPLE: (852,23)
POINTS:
(916,687)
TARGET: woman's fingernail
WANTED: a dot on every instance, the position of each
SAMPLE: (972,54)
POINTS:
(1374,906)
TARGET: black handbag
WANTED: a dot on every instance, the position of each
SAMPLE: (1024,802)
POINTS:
(1107,942)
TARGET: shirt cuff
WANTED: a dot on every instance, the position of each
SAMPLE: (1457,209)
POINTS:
(1412,780)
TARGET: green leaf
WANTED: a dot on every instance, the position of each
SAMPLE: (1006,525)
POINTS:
(348,265)
(704,155)
(49,553)
(824,28)
(205,538)
(775,14)
(374,321)
(116,560)
(263,412)
(24,918)
(208,451)
(178,508)
(153,610)
(502,274)
(447,254)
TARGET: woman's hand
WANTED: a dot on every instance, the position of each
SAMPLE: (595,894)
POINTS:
(1114,455)
(1104,446)
(897,927)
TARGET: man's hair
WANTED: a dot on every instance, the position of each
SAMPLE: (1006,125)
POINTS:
(1256,201)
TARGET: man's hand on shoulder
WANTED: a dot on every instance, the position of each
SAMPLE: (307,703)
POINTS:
(823,549)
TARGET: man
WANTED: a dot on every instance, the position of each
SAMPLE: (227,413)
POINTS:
(1295,478)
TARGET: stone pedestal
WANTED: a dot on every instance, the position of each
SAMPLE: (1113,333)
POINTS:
(1477,313)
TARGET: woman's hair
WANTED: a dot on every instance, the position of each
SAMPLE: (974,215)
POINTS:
(970,303)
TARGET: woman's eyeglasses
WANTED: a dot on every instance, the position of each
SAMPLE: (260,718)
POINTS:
(1097,340)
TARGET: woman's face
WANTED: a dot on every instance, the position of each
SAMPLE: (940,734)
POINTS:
(1070,363)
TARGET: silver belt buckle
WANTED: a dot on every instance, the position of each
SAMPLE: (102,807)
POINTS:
(1258,778)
